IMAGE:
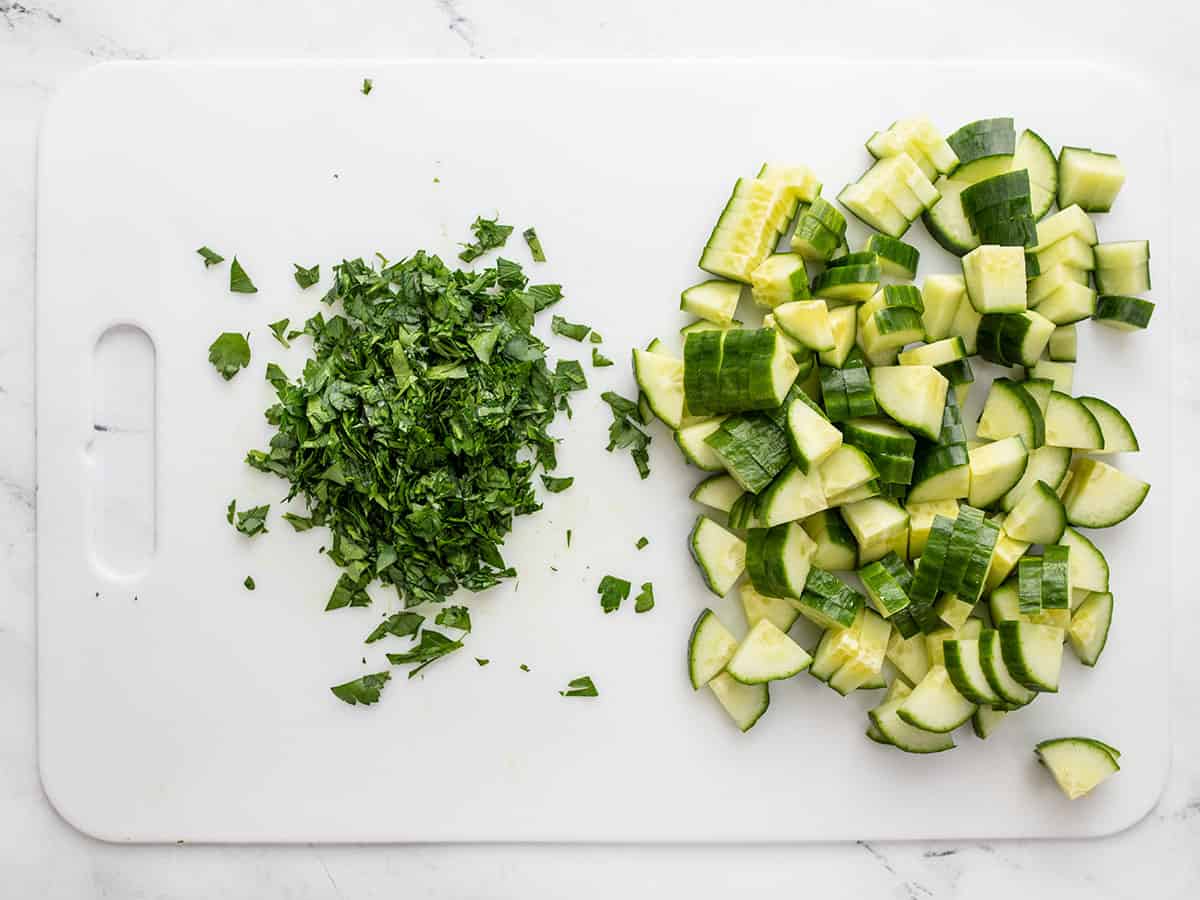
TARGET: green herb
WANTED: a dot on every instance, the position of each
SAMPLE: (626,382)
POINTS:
(279,329)
(568,376)
(489,235)
(432,646)
(436,180)
(595,337)
(524,668)
(299,523)
(454,617)
(251,522)
(248,584)
(229,353)
(367,86)
(644,602)
(544,295)
(482,662)
(348,593)
(599,360)
(575,332)
(581,687)
(535,245)
(568,537)
(363,690)
(401,624)
(612,591)
(211,257)
(306,278)
(625,433)
(239,281)
(557,485)
(231,510)
(642,542)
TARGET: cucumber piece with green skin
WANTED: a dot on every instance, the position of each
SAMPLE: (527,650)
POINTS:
(1069,304)
(995,470)
(744,703)
(876,436)
(836,646)
(780,278)
(752,449)
(717,492)
(1039,389)
(889,330)
(941,473)
(915,396)
(934,705)
(896,471)
(773,370)
(833,394)
(828,215)
(941,296)
(996,672)
(847,283)
(875,524)
(938,353)
(807,322)
(776,610)
(705,325)
(733,379)
(813,240)
(896,258)
(1129,282)
(920,140)
(811,437)
(865,666)
(986,718)
(1063,345)
(837,551)
(862,258)
(999,190)
(904,736)
(1038,518)
(891,296)
(1048,464)
(1035,156)
(982,139)
(909,656)
(966,672)
(1005,601)
(1088,632)
(898,689)
(710,648)
(1122,254)
(1123,313)
(713,300)
(661,379)
(1100,496)
(958,552)
(1070,424)
(1005,556)
(953,610)
(1060,375)
(742,514)
(1077,764)
(690,440)
(720,556)
(1033,654)
(995,279)
(874,208)
(792,495)
(1014,339)
(966,325)
(1089,179)
(843,323)
(979,564)
(945,220)
(920,520)
(1069,221)
(827,608)
(845,469)
(702,355)
(1051,280)
(883,590)
(923,592)
(1029,586)
(1089,568)
(1056,578)
(767,654)
(1070,251)
(959,373)
(1010,410)
(866,491)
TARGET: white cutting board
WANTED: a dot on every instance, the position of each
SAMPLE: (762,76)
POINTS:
(175,705)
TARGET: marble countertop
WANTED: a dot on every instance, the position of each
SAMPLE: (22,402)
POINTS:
(41,41)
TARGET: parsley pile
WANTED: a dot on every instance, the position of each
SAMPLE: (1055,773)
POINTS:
(414,433)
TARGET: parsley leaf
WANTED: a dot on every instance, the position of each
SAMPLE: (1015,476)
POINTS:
(624,433)
(644,602)
(229,353)
(568,375)
(367,86)
(482,662)
(595,337)
(642,542)
(454,617)
(524,668)
(581,687)
(535,245)
(612,591)
(348,592)
(298,523)
(575,332)
(253,521)
(432,646)
(557,485)
(544,295)
(568,537)
(211,257)
(239,281)
(363,690)
(248,584)
(599,360)
(489,235)
(306,278)
(401,624)
(229,512)
(279,329)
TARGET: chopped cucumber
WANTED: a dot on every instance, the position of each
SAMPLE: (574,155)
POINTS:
(920,520)
(1088,631)
(779,558)
(1070,424)
(1051,280)
(767,654)
(828,602)
(1011,410)
(1038,517)
(1060,375)
(1100,496)
(690,440)
(998,676)
(837,551)
(941,295)
(909,656)
(721,556)
(843,322)
(1069,304)
(905,737)
(896,258)
(935,705)
(1077,764)
(985,720)
(776,610)
(745,703)
(710,648)
(713,300)
(966,672)
(995,470)
(1032,653)
(719,492)
(1048,464)
(1089,568)
(660,378)
(807,321)
(1123,313)
(1035,156)
(845,469)
(995,279)
(1063,344)
(915,396)
(792,495)
(1088,178)
(780,278)
(876,524)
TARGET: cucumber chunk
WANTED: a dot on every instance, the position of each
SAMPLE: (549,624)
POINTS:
(905,737)
(995,279)
(1088,631)
(985,720)
(1035,156)
(1060,375)
(941,296)
(896,258)
(1077,764)
(792,495)
(920,520)
(1123,313)
(865,663)
(845,469)
(1088,178)
(843,322)
(690,440)
(718,492)
(837,551)
(710,648)
(1089,568)
(1010,410)
(966,672)
(1069,304)
(660,378)
(1069,221)
(776,610)
(713,300)
(780,278)
(1070,424)
(1048,464)
(1100,496)
(767,654)
(1051,280)
(1032,653)
(935,705)
(915,396)
(909,656)
(1038,518)
(807,321)
(995,470)
(998,676)
(720,556)
(745,703)
(828,602)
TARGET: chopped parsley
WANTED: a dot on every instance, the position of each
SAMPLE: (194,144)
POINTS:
(248,584)
(230,511)
(298,523)
(595,337)
(432,646)
(612,591)
(557,485)
(367,86)
(306,278)
(568,537)
(279,329)
(599,360)
(239,281)
(625,434)
(454,617)
(401,624)
(230,353)
(363,690)
(575,332)
(482,662)
(348,593)
(251,522)
(211,257)
(489,234)
(644,601)
(524,668)
(535,244)
(582,686)
(642,542)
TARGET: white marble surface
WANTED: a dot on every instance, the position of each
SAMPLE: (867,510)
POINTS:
(42,41)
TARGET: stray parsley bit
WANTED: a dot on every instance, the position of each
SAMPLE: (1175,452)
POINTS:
(489,235)
(524,668)
(482,662)
(544,295)
(642,542)
(581,687)
(279,329)
(239,281)
(348,593)
(575,332)
(211,257)
(612,591)
(557,485)
(299,523)
(253,521)
(454,617)
(595,337)
(432,646)
(229,353)
(568,376)
(535,245)
(363,690)
(230,510)
(248,584)
(644,602)
(401,624)
(568,537)
(367,86)
(306,278)
(624,432)
(599,360)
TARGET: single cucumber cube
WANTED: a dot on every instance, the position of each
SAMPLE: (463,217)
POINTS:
(1070,221)
(660,378)
(780,278)
(776,610)
(843,324)
(717,492)
(1038,518)
(915,396)
(713,300)
(995,279)
(837,551)
(1032,653)
(1070,424)
(1123,313)
(1088,178)
(941,295)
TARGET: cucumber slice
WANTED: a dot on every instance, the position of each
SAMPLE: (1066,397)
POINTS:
(1010,410)
(898,689)
(953,610)
(780,278)
(1056,579)
(704,325)
(1032,653)
(1123,313)
(690,440)
(915,396)
(703,353)
(742,514)
(962,544)
(909,656)
(807,321)
(938,353)
(942,473)
(1128,281)
(1089,568)
(995,470)
(767,654)
(876,524)
(1005,556)
(1069,304)
(920,140)
(879,436)
(828,602)
(776,610)
(811,437)
(745,703)
(1029,587)
(966,672)
(843,323)
(883,590)
(1048,464)
(966,324)
(1077,764)
(896,258)
(789,554)
(1070,424)
(1122,254)
(995,279)
(837,551)
(718,492)
(1100,496)
(1035,156)
(1088,178)
(845,469)
(1063,344)
(1115,428)
(1039,389)
(710,648)
(871,489)
(1070,251)
(983,138)
(752,449)
(856,283)
(935,705)
(660,378)
(1038,518)
(1088,631)
(721,556)
(1061,376)
(862,258)
(1051,280)
(713,300)
(836,647)
(996,671)
(814,240)
(941,296)
(792,495)
(874,208)
(985,720)
(920,520)
(1069,221)
(904,736)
